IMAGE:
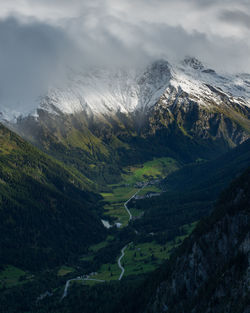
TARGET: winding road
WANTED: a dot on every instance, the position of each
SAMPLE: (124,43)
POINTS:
(130,218)
(65,292)
(119,262)
(125,204)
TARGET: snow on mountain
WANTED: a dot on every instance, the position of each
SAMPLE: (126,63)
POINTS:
(106,91)
(234,85)
(98,90)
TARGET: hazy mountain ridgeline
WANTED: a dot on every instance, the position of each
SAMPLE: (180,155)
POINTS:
(48,213)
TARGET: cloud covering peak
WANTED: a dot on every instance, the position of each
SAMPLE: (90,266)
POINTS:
(39,39)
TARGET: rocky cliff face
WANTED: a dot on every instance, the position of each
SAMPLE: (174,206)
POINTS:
(211,271)
(220,118)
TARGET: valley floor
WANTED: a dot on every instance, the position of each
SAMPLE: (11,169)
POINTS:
(135,257)
(125,252)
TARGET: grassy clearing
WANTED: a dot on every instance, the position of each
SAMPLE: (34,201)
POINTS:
(142,258)
(138,259)
(107,272)
(115,207)
(148,189)
(12,276)
(64,270)
(124,190)
(145,257)
(119,194)
(157,168)
(118,212)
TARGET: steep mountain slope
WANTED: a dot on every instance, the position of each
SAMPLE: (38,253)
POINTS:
(117,116)
(210,271)
(190,192)
(100,91)
(47,213)
(213,175)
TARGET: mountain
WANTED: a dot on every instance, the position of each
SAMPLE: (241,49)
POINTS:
(210,271)
(117,116)
(190,192)
(83,134)
(100,91)
(47,211)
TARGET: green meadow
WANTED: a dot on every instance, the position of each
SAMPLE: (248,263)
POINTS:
(141,258)
(11,276)
(126,188)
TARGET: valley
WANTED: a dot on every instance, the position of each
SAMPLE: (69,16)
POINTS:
(138,258)
(146,247)
(136,180)
(95,202)
(125,156)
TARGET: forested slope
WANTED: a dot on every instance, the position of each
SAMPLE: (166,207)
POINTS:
(191,191)
(47,213)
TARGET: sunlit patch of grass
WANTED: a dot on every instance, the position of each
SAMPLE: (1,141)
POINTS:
(118,212)
(115,207)
(157,168)
(64,270)
(141,258)
(108,272)
(12,276)
(124,190)
(145,257)
(120,194)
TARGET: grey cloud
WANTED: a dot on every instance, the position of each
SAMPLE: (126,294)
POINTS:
(116,40)
(237,17)
(30,58)
(77,33)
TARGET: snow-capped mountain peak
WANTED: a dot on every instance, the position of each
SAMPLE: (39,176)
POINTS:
(107,91)
(193,63)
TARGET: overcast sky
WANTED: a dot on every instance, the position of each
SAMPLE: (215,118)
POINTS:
(39,38)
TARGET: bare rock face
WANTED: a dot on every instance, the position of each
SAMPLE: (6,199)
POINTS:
(211,271)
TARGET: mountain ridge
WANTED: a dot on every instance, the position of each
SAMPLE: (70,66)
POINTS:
(107,90)
(215,257)
(48,211)
(182,116)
